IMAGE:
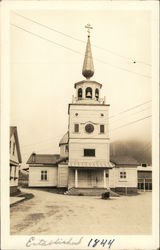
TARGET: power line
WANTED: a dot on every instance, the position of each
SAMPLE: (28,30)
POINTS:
(75,51)
(79,40)
(131,114)
(146,148)
(132,122)
(134,107)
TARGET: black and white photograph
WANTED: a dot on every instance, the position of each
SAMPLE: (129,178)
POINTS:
(80,162)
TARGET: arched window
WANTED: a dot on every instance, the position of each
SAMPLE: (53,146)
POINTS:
(97,94)
(88,92)
(79,93)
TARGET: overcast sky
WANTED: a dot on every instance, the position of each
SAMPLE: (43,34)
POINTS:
(43,73)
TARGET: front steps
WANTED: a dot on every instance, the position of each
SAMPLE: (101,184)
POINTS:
(90,192)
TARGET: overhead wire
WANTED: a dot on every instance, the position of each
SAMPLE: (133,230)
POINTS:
(80,40)
(126,110)
(75,51)
(130,123)
(131,114)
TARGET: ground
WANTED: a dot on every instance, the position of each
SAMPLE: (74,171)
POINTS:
(50,214)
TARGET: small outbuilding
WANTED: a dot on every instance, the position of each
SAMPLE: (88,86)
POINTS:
(123,177)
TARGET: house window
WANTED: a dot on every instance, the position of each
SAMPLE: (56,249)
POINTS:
(76,128)
(14,145)
(66,148)
(43,175)
(102,128)
(10,144)
(10,170)
(107,175)
(89,152)
(123,175)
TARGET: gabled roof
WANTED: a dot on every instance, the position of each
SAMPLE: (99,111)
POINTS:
(13,130)
(123,160)
(43,159)
(64,139)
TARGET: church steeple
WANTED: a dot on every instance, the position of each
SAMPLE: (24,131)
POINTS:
(88,68)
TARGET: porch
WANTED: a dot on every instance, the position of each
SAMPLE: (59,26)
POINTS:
(88,178)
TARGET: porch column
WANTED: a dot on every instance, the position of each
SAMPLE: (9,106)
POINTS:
(76,178)
(104,178)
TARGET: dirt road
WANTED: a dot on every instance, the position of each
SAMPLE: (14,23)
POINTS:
(50,213)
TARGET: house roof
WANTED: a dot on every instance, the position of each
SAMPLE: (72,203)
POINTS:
(43,159)
(64,139)
(123,160)
(148,168)
(13,130)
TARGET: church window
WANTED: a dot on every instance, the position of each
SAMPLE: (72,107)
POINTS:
(97,94)
(76,114)
(89,152)
(88,92)
(79,93)
(102,114)
(102,128)
(14,145)
(43,175)
(76,128)
(123,175)
(89,128)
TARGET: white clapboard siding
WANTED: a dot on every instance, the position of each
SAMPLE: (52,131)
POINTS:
(116,181)
(35,176)
(14,173)
(13,157)
(88,114)
(63,152)
(62,175)
(76,150)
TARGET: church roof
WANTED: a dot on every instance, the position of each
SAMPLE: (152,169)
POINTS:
(88,68)
(86,81)
(97,164)
(13,130)
(123,160)
(43,159)
(64,139)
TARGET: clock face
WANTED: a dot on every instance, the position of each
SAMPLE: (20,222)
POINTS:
(89,128)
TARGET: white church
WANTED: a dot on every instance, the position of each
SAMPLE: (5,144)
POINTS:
(84,165)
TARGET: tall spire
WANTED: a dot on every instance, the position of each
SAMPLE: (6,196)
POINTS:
(88,68)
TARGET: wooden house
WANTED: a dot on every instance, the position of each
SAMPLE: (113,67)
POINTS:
(15,160)
(144,177)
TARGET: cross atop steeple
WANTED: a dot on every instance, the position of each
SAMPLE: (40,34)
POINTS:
(88,27)
(88,68)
